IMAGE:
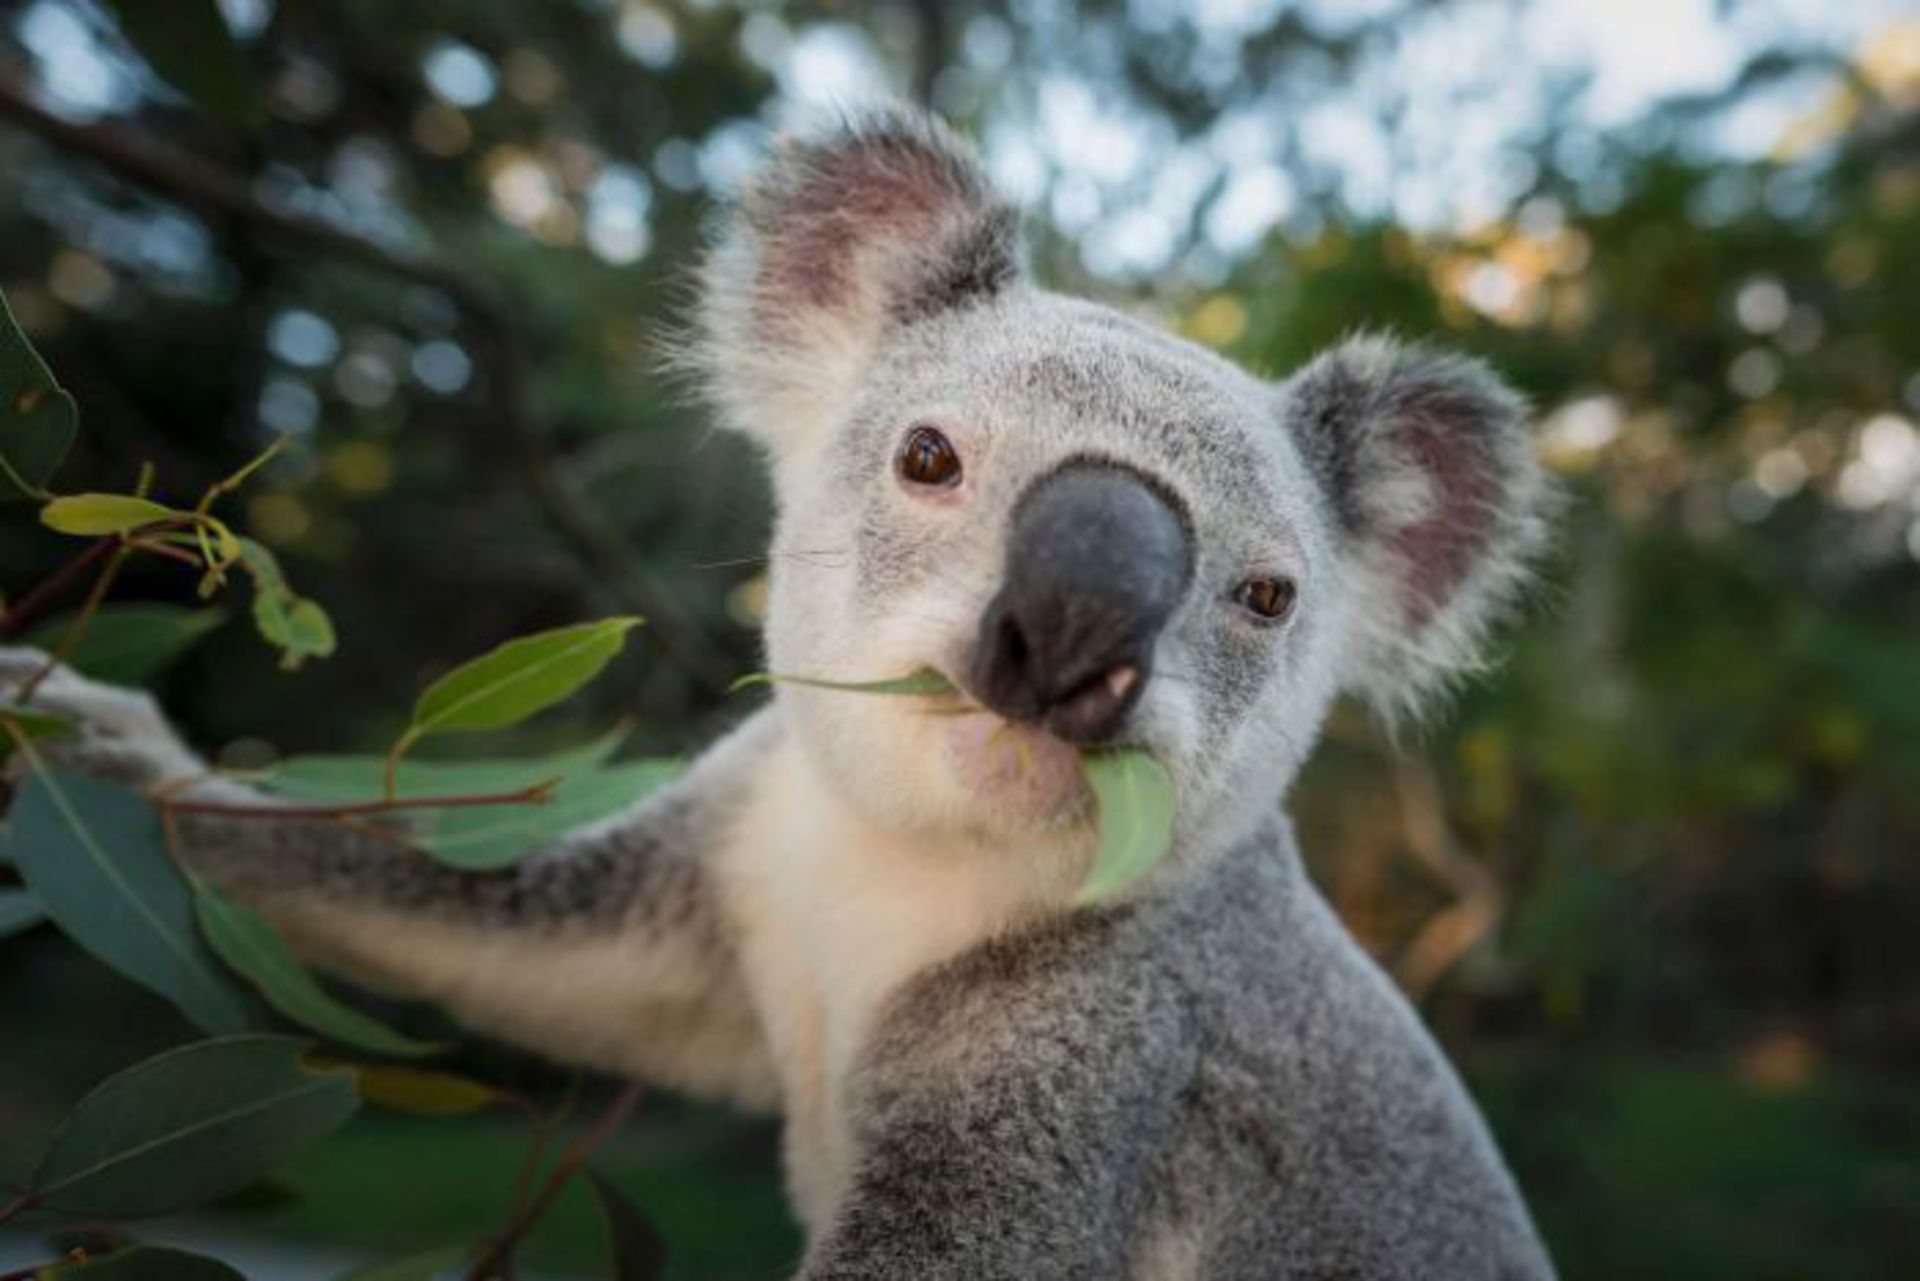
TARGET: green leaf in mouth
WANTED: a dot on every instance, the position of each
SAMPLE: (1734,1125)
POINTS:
(925,682)
(1134,796)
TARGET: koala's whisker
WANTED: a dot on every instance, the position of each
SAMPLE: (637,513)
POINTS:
(813,558)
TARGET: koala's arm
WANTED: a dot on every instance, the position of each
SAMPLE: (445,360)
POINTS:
(609,949)
(1008,1114)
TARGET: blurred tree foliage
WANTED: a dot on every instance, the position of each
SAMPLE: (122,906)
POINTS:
(1694,781)
(1681,815)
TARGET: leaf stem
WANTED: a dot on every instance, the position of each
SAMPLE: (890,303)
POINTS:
(27,1199)
(543,1130)
(399,750)
(77,631)
(537,794)
(35,492)
(239,478)
(499,1254)
(162,549)
(51,586)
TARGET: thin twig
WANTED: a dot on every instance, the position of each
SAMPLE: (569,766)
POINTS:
(27,1199)
(545,1129)
(50,587)
(1478,904)
(537,794)
(77,630)
(496,1258)
(162,549)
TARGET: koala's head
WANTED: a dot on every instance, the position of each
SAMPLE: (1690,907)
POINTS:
(1103,533)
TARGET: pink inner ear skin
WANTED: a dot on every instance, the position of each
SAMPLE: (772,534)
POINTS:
(864,195)
(1437,553)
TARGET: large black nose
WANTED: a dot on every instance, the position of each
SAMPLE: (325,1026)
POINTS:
(1096,562)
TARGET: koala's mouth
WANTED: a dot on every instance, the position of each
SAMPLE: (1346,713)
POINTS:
(1069,715)
(1022,763)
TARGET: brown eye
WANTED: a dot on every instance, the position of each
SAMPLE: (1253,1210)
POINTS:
(927,457)
(1269,598)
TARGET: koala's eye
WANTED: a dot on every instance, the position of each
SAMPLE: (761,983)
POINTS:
(927,457)
(1268,598)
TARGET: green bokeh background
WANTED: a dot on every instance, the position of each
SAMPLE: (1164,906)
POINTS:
(1655,878)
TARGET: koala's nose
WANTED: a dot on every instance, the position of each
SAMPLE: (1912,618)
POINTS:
(1097,560)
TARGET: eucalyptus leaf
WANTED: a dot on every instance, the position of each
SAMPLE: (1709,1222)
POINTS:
(190,1126)
(19,910)
(420,1091)
(190,46)
(96,515)
(508,684)
(1135,799)
(38,420)
(926,681)
(245,941)
(345,779)
(295,626)
(481,838)
(92,853)
(639,1253)
(423,1266)
(145,1263)
(130,644)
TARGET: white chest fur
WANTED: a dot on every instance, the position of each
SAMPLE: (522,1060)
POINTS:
(833,915)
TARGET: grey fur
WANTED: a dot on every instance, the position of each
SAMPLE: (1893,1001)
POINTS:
(1207,1079)
(1222,1062)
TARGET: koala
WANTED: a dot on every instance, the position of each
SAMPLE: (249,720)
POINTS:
(863,915)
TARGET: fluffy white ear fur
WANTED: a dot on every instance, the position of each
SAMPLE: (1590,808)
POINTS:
(1428,462)
(844,233)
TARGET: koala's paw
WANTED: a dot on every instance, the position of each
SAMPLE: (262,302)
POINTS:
(118,734)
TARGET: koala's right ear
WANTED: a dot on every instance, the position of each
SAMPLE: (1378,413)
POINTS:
(842,236)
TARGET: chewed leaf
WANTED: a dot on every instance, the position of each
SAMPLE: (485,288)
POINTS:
(1135,797)
(245,941)
(309,633)
(100,514)
(297,627)
(926,681)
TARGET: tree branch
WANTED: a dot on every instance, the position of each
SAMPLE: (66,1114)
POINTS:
(1478,901)
(499,1254)
(50,588)
(194,181)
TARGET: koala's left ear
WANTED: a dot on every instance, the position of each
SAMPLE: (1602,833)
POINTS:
(1429,466)
(842,236)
